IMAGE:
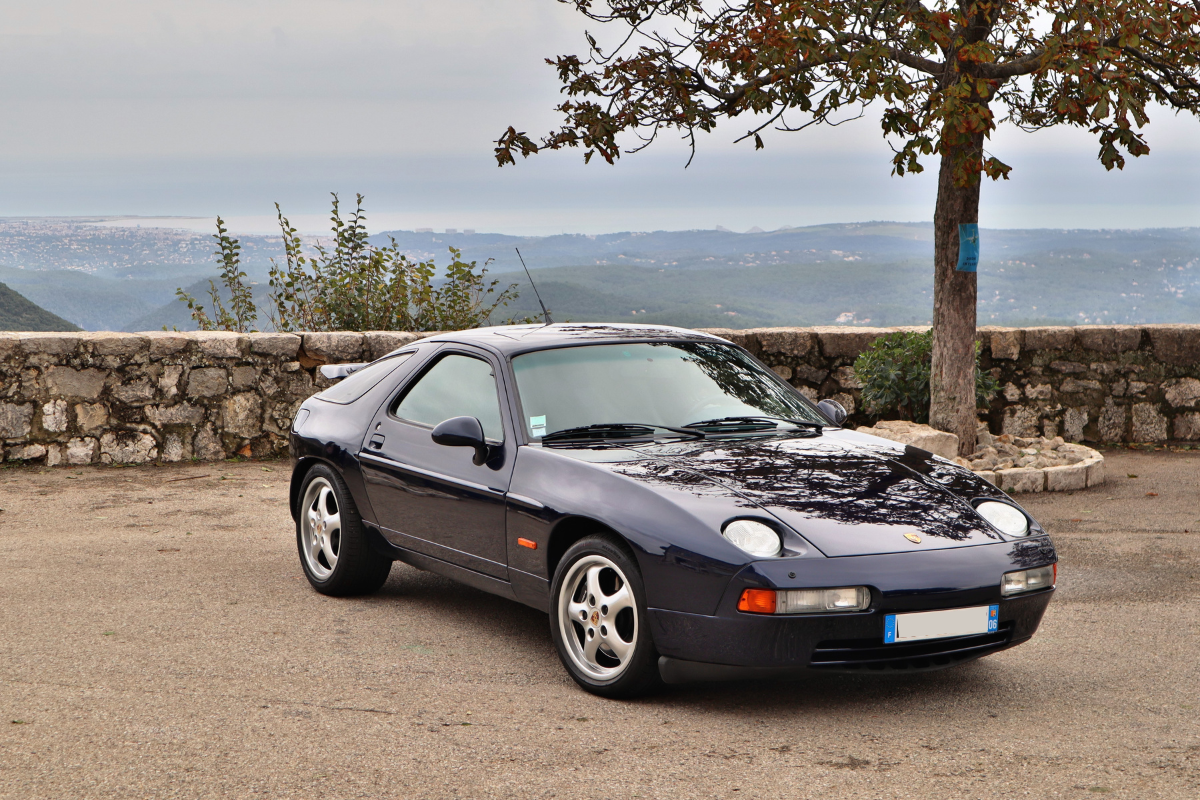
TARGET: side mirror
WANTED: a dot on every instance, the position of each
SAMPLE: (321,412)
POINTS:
(463,432)
(833,409)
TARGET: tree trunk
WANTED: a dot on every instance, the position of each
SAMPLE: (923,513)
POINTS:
(952,376)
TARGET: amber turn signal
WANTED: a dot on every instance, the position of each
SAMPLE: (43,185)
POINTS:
(757,601)
(530,543)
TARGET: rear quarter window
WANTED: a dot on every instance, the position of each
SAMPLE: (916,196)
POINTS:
(355,385)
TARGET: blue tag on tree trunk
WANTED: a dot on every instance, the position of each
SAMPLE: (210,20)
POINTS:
(968,247)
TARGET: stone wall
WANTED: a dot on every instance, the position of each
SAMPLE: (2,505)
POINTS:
(79,398)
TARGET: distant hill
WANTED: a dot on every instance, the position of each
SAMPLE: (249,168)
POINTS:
(19,314)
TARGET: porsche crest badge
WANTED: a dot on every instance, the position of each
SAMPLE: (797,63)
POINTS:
(912,537)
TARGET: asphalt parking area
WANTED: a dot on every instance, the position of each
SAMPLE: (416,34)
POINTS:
(158,639)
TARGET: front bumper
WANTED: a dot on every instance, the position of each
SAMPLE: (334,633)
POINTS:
(732,644)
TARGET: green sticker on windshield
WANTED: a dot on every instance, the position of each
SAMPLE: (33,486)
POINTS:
(538,425)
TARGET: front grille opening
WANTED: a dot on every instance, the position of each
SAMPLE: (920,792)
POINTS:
(872,654)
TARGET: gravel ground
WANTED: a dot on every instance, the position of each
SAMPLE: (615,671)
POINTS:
(157,639)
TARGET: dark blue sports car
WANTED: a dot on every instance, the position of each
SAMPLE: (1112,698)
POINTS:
(680,511)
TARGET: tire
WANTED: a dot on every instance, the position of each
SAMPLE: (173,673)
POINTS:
(338,559)
(598,620)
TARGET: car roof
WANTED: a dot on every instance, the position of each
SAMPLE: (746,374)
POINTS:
(514,339)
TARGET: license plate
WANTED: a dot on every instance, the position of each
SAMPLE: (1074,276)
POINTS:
(940,624)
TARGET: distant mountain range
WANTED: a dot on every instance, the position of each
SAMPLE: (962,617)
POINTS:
(17,313)
(867,273)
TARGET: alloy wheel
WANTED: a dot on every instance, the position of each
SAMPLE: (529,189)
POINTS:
(320,529)
(598,618)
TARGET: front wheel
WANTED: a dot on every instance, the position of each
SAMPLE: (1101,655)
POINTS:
(598,620)
(337,558)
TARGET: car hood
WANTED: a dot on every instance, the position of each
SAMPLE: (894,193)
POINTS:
(846,493)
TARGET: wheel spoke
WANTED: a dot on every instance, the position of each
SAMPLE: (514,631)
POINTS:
(333,523)
(617,645)
(593,585)
(314,548)
(578,612)
(590,646)
(618,600)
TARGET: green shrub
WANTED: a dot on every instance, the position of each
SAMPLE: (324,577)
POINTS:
(352,285)
(894,373)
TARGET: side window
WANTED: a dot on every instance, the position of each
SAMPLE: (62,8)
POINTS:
(457,386)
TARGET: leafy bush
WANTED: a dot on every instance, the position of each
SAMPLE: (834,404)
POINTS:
(894,373)
(353,285)
(242,313)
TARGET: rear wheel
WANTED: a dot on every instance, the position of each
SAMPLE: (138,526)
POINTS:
(337,558)
(598,620)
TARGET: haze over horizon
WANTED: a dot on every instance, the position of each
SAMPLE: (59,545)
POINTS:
(173,108)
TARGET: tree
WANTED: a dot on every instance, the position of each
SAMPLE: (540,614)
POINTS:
(938,68)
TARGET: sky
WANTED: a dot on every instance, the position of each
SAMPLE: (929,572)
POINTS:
(130,107)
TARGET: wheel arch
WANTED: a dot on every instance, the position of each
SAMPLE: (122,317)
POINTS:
(569,531)
(299,471)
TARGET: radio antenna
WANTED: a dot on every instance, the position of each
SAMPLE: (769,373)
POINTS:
(545,313)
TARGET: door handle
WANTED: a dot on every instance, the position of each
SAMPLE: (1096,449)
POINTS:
(376,441)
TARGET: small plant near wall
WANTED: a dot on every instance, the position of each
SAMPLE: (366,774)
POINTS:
(894,373)
(349,284)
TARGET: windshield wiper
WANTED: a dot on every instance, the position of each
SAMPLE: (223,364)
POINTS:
(607,430)
(744,421)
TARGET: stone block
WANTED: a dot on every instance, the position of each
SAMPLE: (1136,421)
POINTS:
(1050,338)
(207,447)
(164,344)
(1069,478)
(1177,345)
(179,414)
(1187,426)
(137,392)
(16,420)
(783,372)
(1005,344)
(1016,481)
(54,455)
(207,382)
(837,342)
(847,401)
(242,415)
(168,381)
(846,378)
(1185,392)
(380,343)
(1067,366)
(54,416)
(1073,386)
(220,344)
(911,433)
(1136,387)
(90,416)
(810,374)
(10,343)
(334,348)
(1011,392)
(1109,338)
(74,384)
(80,450)
(173,449)
(1112,423)
(809,392)
(49,344)
(1041,391)
(275,345)
(244,377)
(795,342)
(127,447)
(119,345)
(1020,421)
(989,476)
(26,452)
(1148,424)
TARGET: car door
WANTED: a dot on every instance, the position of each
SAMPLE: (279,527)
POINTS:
(429,497)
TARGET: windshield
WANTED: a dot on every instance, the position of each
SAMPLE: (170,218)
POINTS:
(666,383)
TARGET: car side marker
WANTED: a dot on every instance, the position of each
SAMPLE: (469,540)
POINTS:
(532,545)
